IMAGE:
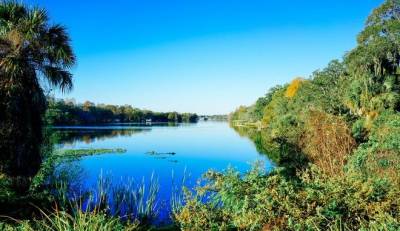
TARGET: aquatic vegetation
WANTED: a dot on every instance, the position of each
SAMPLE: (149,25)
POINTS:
(136,201)
(67,153)
(178,192)
(55,158)
(127,205)
(154,153)
(162,155)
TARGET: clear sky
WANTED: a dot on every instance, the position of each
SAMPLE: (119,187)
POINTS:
(203,56)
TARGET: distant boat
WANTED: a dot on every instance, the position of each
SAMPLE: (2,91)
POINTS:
(148,121)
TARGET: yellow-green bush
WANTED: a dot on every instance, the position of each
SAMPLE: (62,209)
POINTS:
(317,201)
(327,141)
(294,87)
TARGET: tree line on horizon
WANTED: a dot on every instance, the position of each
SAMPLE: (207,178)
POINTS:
(67,112)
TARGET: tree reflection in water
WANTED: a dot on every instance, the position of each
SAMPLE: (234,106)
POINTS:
(70,135)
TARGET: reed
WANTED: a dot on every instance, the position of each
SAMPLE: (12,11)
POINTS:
(177,195)
(136,202)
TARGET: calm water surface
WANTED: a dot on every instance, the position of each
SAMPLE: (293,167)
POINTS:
(197,147)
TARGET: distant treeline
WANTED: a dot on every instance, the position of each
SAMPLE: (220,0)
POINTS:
(215,117)
(67,112)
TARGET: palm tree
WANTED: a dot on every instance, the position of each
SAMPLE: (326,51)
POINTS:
(375,63)
(33,54)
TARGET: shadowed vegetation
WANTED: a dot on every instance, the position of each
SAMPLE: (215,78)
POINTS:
(33,54)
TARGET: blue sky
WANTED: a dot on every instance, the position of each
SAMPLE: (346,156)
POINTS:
(207,56)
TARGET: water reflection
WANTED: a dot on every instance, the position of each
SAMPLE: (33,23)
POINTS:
(278,150)
(87,135)
(168,151)
(263,143)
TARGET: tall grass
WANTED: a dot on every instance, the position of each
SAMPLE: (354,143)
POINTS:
(177,195)
(109,205)
(136,202)
(64,221)
(83,220)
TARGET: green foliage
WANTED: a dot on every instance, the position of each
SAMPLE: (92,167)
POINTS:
(34,53)
(62,221)
(329,88)
(240,114)
(189,118)
(374,63)
(256,111)
(380,156)
(258,201)
(359,130)
(173,116)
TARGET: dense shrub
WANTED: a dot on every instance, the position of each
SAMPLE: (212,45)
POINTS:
(327,141)
(257,201)
(380,156)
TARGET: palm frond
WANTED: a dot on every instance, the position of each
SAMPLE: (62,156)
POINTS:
(58,77)
(35,21)
(58,46)
(11,12)
(28,42)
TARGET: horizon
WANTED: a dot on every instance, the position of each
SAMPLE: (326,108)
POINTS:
(207,58)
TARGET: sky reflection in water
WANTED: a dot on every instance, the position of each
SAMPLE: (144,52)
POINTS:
(197,147)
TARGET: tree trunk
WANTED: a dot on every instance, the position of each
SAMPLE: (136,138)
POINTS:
(22,105)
